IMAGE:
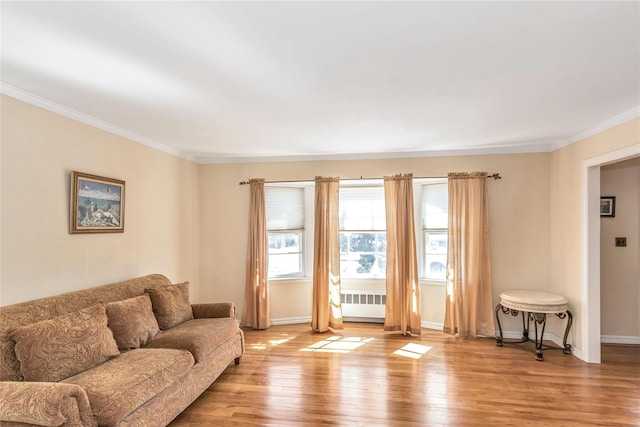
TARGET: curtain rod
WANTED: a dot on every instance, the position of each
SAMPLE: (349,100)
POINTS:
(494,176)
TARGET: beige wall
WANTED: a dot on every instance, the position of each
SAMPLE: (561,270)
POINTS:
(190,221)
(519,210)
(566,240)
(39,256)
(619,266)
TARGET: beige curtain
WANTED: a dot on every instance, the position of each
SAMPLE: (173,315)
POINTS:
(326,310)
(256,312)
(469,306)
(402,312)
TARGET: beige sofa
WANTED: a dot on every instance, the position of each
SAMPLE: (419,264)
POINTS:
(133,353)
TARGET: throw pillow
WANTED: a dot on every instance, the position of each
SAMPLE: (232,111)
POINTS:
(58,348)
(171,304)
(132,322)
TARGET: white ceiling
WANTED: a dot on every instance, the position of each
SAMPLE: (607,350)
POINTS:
(248,81)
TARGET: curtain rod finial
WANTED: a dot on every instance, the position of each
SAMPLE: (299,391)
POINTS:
(495,176)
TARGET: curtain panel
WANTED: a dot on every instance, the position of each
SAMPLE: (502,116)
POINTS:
(326,309)
(402,311)
(468,310)
(256,313)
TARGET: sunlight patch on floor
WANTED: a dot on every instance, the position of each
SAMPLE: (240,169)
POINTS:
(271,343)
(413,350)
(337,344)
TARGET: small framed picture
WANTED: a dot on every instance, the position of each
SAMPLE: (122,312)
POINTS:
(608,206)
(97,204)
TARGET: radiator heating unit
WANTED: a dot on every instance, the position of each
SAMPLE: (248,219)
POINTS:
(363,303)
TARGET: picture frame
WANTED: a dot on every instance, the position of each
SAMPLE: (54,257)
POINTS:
(97,204)
(608,206)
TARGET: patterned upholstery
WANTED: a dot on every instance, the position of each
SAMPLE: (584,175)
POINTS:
(139,387)
(16,315)
(121,385)
(199,336)
(55,349)
(171,304)
(132,322)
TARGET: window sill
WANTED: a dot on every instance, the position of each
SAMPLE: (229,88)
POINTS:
(352,280)
(430,282)
(290,279)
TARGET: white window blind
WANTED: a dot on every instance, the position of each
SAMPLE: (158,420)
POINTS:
(285,228)
(284,208)
(362,208)
(435,220)
(435,200)
(363,237)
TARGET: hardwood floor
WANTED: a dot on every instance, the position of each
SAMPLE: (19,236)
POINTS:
(290,376)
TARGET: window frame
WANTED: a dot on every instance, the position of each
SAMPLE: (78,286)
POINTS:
(305,251)
(422,230)
(308,230)
(372,183)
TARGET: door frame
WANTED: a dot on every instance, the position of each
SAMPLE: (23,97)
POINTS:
(590,257)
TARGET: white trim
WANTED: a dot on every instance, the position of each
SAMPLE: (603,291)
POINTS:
(577,352)
(540,146)
(590,250)
(295,320)
(432,325)
(290,320)
(618,339)
(533,147)
(354,319)
(516,335)
(601,127)
(613,157)
(590,263)
(48,105)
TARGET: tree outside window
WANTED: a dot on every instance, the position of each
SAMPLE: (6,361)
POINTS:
(363,239)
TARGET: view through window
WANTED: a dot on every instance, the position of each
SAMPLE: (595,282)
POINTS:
(285,231)
(363,237)
(435,230)
(362,230)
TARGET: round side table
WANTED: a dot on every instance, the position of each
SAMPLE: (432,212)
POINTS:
(534,306)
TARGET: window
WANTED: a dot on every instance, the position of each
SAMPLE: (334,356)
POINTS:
(435,204)
(362,229)
(285,231)
(363,237)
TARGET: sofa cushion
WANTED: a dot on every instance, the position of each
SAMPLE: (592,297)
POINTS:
(171,304)
(120,386)
(54,349)
(199,336)
(132,322)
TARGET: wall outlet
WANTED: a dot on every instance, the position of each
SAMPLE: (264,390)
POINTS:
(621,241)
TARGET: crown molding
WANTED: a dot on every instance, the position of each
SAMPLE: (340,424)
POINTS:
(529,147)
(49,105)
(538,147)
(601,127)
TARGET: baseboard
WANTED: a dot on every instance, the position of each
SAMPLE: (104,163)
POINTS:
(363,319)
(617,339)
(291,320)
(605,339)
(546,337)
(431,325)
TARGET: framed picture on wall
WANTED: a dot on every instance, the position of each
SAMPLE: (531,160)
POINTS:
(608,206)
(97,204)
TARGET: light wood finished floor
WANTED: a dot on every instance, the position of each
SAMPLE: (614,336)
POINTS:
(290,376)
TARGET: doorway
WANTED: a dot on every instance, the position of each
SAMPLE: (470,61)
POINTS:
(619,254)
(590,262)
